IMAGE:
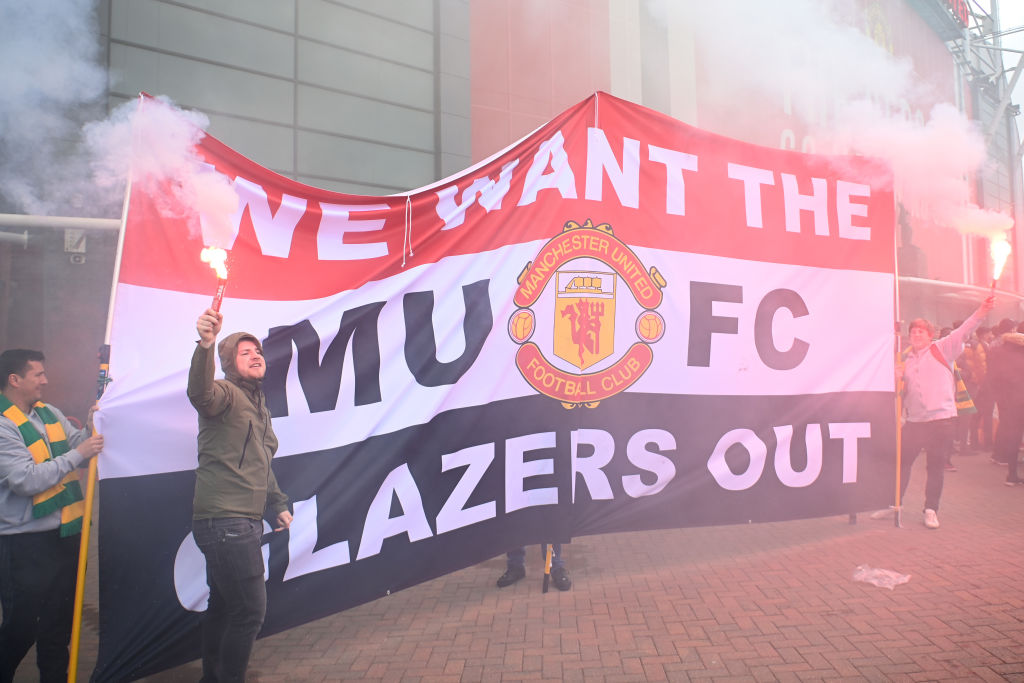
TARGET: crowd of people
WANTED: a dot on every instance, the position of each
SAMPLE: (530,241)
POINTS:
(992,367)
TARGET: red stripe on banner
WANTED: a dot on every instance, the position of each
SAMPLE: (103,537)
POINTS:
(654,181)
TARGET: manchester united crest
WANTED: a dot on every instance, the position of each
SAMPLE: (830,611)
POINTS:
(591,354)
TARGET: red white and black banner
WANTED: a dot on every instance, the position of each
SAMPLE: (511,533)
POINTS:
(619,323)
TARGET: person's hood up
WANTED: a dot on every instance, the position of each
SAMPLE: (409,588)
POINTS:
(228,351)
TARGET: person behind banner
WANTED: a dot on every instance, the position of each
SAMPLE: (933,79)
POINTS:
(41,508)
(515,568)
(1007,366)
(235,486)
(980,432)
(929,404)
(1004,327)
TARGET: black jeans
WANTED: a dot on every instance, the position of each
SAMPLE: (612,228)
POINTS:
(238,595)
(37,592)
(936,438)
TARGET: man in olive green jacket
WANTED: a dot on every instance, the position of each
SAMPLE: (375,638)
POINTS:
(235,486)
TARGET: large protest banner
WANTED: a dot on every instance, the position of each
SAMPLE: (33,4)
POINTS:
(619,323)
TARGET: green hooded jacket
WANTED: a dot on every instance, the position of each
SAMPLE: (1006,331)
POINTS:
(236,439)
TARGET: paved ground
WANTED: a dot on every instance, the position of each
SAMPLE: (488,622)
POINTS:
(741,603)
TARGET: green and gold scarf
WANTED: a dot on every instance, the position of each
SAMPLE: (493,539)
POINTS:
(66,496)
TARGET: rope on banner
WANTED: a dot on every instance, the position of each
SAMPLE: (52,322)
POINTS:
(407,235)
(597,113)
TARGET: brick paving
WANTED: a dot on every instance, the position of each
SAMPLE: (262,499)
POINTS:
(739,603)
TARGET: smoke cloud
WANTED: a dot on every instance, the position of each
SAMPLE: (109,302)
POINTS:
(51,82)
(802,47)
(856,97)
(154,142)
(931,163)
(851,90)
(56,160)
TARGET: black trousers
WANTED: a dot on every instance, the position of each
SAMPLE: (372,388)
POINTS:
(238,595)
(37,592)
(936,439)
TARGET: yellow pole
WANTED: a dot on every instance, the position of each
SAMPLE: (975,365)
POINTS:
(83,547)
(899,448)
(897,521)
(83,557)
(90,486)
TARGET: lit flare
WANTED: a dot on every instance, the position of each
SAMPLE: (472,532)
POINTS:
(216,258)
(999,249)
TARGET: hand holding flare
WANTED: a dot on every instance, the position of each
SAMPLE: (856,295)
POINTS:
(215,256)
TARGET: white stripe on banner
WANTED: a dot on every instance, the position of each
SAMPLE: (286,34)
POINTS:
(831,347)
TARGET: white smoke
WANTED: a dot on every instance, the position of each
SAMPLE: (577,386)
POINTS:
(154,142)
(801,47)
(931,162)
(49,83)
(854,94)
(54,160)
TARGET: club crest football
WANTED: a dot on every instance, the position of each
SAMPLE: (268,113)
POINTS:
(573,354)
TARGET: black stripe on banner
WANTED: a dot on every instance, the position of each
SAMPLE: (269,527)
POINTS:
(643,462)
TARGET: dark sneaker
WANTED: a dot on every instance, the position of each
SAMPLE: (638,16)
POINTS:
(560,578)
(511,575)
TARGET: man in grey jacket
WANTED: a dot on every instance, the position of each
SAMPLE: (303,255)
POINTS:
(40,518)
(235,486)
(929,404)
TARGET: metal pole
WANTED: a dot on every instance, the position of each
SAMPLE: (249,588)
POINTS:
(997,117)
(20,221)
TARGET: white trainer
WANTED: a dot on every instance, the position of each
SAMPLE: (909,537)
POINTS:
(931,520)
(887,513)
